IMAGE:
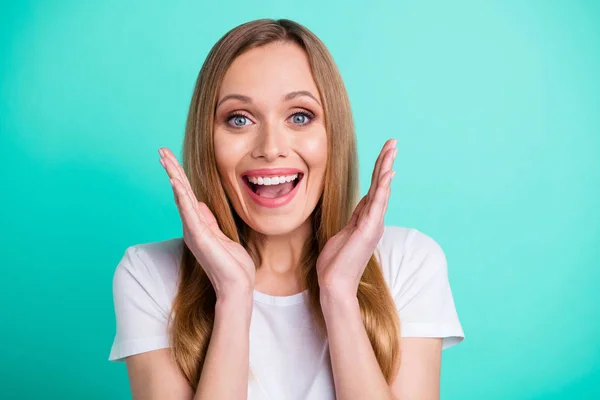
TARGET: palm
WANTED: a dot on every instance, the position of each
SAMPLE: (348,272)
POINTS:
(234,251)
(332,252)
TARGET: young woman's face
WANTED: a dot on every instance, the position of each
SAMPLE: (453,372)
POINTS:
(270,140)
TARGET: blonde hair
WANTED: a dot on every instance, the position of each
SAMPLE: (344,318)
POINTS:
(193,311)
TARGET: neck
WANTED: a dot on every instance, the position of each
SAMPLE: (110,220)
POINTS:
(279,272)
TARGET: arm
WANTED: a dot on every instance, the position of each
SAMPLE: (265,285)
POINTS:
(355,369)
(155,375)
(340,267)
(225,372)
(419,375)
(356,372)
(231,272)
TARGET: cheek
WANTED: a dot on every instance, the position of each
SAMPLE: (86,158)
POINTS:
(229,150)
(314,151)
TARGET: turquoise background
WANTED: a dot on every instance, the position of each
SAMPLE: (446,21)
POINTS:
(496,108)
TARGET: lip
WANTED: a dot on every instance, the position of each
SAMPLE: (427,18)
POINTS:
(278,201)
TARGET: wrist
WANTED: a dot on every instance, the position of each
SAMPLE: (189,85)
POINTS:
(234,294)
(238,302)
(335,301)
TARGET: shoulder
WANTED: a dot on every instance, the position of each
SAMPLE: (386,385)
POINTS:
(143,288)
(407,254)
(153,265)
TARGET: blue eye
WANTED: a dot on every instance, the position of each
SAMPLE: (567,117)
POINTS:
(238,119)
(300,116)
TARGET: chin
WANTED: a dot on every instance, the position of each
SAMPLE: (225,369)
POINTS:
(276,225)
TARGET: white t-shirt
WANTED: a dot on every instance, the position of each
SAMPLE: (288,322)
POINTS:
(288,360)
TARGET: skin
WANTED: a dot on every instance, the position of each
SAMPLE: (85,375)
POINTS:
(272,135)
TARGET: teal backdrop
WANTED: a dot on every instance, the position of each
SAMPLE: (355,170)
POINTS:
(496,108)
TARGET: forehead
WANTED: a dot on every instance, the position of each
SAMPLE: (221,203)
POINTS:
(268,72)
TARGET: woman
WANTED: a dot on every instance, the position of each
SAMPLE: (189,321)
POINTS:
(282,286)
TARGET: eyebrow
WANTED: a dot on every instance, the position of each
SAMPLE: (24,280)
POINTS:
(287,97)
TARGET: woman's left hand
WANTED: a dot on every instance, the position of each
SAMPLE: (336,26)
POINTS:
(344,257)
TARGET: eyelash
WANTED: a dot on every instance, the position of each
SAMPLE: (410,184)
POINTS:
(307,114)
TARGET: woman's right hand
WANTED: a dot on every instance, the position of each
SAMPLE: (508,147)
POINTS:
(227,264)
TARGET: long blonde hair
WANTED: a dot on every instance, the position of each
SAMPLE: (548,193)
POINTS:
(193,310)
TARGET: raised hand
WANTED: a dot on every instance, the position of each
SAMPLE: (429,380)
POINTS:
(342,261)
(226,263)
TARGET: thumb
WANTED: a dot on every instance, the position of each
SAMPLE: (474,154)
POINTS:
(209,219)
(357,211)
(206,214)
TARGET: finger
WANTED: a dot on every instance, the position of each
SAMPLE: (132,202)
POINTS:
(175,170)
(378,206)
(187,212)
(387,145)
(388,161)
(357,210)
(385,167)
(388,195)
(173,173)
(178,169)
(208,216)
(165,152)
(391,143)
(194,227)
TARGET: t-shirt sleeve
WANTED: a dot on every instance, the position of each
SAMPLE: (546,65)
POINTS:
(140,306)
(421,290)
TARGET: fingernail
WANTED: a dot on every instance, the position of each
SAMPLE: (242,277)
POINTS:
(160,151)
(395,152)
(393,173)
(388,180)
(162,162)
(395,142)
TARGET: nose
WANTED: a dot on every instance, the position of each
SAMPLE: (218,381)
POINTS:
(271,143)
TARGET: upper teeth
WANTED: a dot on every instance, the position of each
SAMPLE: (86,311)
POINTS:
(271,180)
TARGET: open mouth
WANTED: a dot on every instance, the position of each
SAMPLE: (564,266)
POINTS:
(272,187)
